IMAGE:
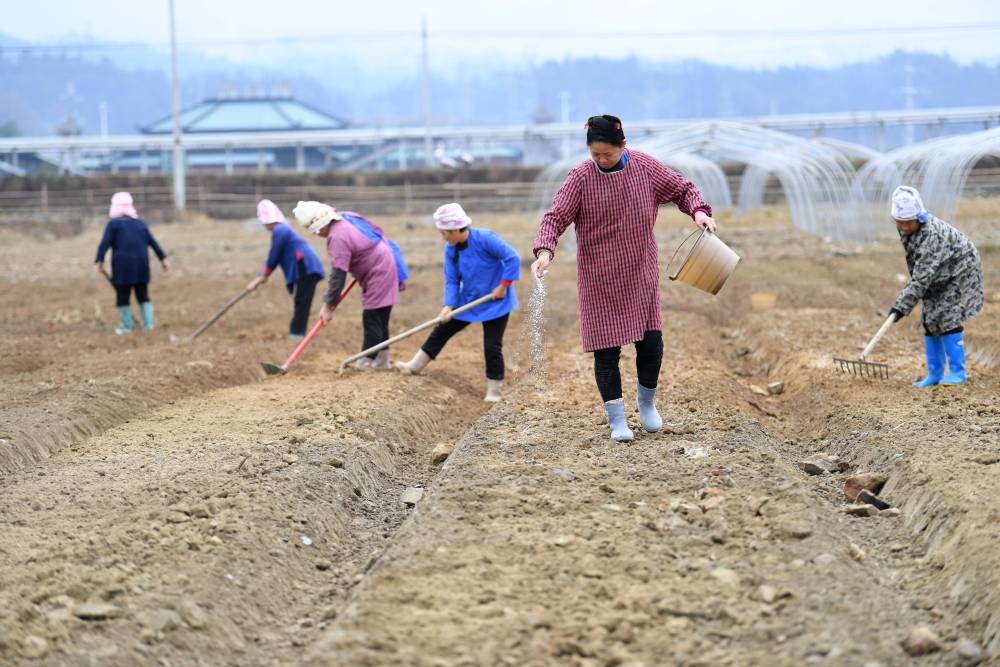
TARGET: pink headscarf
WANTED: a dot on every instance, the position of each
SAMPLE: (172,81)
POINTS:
(121,205)
(268,212)
(451,216)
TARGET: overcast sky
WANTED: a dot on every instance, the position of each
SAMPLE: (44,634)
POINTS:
(765,33)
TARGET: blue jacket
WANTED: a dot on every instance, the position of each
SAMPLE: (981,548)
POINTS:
(287,248)
(128,240)
(475,270)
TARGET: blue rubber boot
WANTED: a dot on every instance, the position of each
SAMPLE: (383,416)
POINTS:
(126,315)
(147,315)
(954,347)
(648,416)
(620,432)
(934,347)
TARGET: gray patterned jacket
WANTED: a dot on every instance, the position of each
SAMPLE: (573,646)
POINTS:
(945,271)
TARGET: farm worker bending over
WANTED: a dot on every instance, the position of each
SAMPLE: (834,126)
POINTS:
(477,262)
(613,201)
(129,238)
(358,247)
(945,271)
(298,261)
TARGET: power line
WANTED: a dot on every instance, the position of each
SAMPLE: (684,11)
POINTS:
(524,35)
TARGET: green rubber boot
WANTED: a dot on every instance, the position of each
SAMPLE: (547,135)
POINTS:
(147,315)
(126,325)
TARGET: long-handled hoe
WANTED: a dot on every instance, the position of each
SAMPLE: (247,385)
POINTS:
(275,369)
(410,332)
(862,367)
(222,311)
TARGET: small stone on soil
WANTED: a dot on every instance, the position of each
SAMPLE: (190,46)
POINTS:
(563,474)
(775,388)
(921,641)
(726,577)
(412,496)
(96,611)
(820,464)
(987,459)
(795,529)
(866,496)
(871,481)
(441,452)
(968,652)
(824,559)
(193,614)
(34,647)
(861,510)
(767,594)
(160,620)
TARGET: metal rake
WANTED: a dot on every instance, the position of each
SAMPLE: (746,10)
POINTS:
(862,367)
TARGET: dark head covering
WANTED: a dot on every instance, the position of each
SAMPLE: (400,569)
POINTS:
(605,128)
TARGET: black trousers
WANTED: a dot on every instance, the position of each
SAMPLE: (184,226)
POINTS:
(493,331)
(123,292)
(375,322)
(648,358)
(305,289)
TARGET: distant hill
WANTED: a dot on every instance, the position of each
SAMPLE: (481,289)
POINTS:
(38,92)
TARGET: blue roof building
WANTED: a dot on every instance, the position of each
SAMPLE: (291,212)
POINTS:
(248,114)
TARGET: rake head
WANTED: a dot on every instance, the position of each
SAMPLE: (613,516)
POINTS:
(861,368)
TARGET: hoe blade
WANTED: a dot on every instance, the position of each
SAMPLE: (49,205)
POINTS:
(860,368)
(274,369)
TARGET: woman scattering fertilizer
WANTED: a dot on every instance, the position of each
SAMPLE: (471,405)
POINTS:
(357,246)
(947,274)
(477,262)
(613,201)
(129,240)
(298,261)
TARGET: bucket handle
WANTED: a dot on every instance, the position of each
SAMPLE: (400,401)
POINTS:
(702,232)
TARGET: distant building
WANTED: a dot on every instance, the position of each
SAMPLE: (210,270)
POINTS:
(233,114)
(248,114)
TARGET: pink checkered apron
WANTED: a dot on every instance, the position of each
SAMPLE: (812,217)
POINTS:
(617,264)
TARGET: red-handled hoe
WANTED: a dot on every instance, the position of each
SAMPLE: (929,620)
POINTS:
(275,369)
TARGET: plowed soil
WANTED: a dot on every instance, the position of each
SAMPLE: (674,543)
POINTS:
(165,503)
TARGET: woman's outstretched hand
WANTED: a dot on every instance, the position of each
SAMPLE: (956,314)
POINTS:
(541,264)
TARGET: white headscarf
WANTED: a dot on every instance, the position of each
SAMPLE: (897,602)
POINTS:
(315,215)
(907,205)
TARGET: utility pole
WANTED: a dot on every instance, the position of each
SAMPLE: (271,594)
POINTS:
(102,112)
(175,102)
(909,93)
(426,85)
(564,109)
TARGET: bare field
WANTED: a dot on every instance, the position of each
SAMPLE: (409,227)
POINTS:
(221,517)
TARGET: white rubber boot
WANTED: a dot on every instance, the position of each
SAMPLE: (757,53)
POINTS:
(415,365)
(381,362)
(620,432)
(493,390)
(363,364)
